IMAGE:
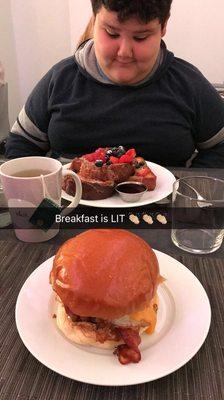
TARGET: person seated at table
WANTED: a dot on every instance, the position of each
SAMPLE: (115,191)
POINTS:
(123,87)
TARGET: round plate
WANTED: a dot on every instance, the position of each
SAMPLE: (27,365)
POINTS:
(183,324)
(164,186)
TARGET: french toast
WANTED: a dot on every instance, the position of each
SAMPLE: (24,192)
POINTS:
(103,169)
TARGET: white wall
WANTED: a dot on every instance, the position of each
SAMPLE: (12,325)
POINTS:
(80,13)
(196,33)
(35,34)
(8,57)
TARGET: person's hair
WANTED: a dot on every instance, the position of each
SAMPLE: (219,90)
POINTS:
(87,34)
(144,10)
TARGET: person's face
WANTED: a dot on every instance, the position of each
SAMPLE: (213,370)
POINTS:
(126,51)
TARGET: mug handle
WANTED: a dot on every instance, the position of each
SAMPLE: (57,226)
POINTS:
(78,193)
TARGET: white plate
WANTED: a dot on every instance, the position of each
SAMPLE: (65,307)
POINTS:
(183,322)
(164,186)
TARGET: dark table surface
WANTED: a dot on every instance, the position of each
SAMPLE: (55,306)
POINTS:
(22,377)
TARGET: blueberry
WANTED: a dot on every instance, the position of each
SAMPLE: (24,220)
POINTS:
(139,164)
(109,152)
(120,153)
(98,163)
(114,151)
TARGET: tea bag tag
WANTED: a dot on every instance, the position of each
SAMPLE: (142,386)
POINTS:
(44,216)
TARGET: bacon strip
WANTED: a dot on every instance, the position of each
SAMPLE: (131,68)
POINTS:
(127,355)
(104,330)
(129,352)
(130,337)
(97,328)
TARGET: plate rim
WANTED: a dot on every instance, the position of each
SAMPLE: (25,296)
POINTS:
(124,204)
(207,318)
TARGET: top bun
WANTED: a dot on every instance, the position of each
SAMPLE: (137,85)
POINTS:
(105,273)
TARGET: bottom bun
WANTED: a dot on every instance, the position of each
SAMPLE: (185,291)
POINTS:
(75,332)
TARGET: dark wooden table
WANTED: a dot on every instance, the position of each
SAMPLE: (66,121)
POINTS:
(22,377)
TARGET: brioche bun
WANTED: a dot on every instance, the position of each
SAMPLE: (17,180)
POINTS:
(105,273)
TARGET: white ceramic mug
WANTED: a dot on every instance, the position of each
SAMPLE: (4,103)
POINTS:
(25,193)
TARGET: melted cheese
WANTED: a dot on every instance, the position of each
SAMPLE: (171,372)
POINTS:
(148,315)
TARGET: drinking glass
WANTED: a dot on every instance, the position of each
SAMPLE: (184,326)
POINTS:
(198,214)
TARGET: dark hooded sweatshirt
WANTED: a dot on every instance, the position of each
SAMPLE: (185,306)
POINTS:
(168,116)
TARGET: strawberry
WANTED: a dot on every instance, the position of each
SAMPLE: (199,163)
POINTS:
(100,154)
(128,157)
(142,171)
(89,157)
(125,159)
(114,160)
(131,153)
